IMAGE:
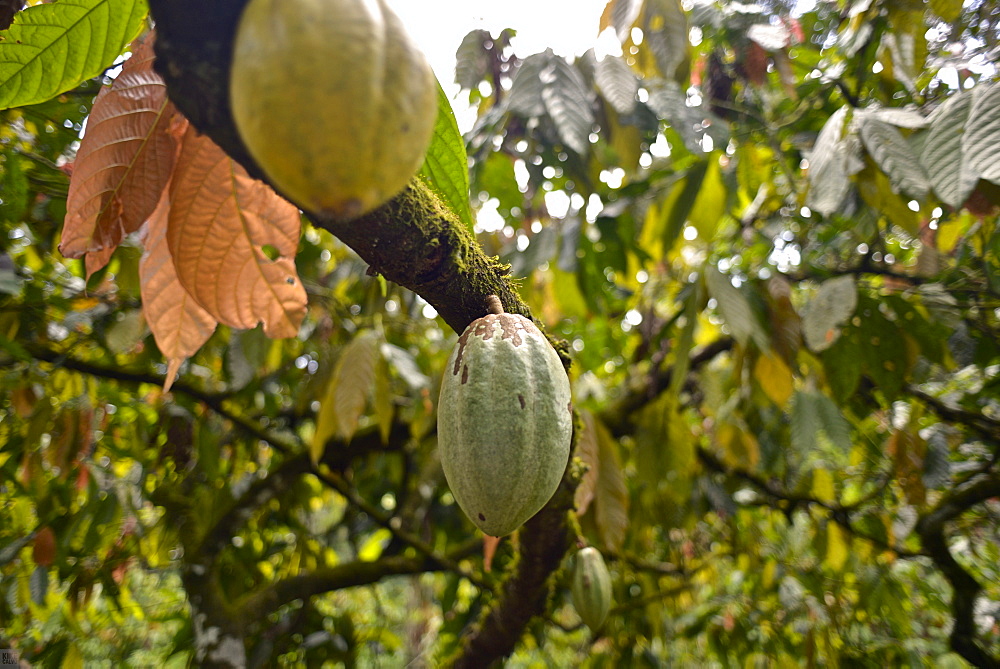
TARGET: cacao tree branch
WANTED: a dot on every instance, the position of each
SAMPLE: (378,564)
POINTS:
(255,607)
(525,594)
(336,457)
(213,401)
(965,588)
(841,515)
(337,482)
(413,240)
(985,427)
(618,416)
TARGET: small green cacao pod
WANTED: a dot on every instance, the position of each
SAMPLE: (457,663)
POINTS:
(504,421)
(591,587)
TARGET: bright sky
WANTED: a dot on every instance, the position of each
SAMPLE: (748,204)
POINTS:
(438,26)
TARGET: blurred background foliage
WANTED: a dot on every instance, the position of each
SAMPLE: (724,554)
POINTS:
(768,233)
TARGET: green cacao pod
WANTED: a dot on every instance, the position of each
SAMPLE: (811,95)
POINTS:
(591,588)
(333,101)
(504,421)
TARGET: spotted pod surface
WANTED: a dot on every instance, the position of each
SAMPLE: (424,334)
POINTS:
(504,422)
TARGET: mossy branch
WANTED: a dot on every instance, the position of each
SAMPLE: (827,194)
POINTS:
(931,528)
(413,240)
(544,541)
(255,607)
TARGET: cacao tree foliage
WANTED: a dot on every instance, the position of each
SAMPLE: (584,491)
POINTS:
(765,236)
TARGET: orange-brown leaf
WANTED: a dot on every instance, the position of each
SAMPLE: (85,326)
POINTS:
(43,552)
(220,219)
(124,162)
(588,449)
(179,324)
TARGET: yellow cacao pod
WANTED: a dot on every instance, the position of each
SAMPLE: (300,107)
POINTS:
(333,100)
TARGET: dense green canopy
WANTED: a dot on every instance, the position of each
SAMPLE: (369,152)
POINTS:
(764,237)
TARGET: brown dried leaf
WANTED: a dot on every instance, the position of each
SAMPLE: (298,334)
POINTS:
(179,324)
(588,450)
(220,219)
(124,162)
(610,494)
(43,552)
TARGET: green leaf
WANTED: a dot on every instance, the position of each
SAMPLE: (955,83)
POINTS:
(127,331)
(10,551)
(833,423)
(39,585)
(685,342)
(833,304)
(567,100)
(981,142)
(805,422)
(471,64)
(403,363)
(53,47)
(735,309)
(877,191)
(883,354)
(823,487)
(829,167)
(710,205)
(446,168)
(842,362)
(525,98)
(665,29)
(621,15)
(10,282)
(617,83)
(495,176)
(893,155)
(669,103)
(942,151)
(666,217)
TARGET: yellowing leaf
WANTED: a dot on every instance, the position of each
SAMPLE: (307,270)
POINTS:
(775,377)
(124,162)
(220,220)
(610,494)
(740,446)
(352,381)
(179,324)
(822,486)
(837,547)
(372,548)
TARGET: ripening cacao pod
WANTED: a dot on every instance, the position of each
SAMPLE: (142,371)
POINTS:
(504,421)
(591,587)
(333,100)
